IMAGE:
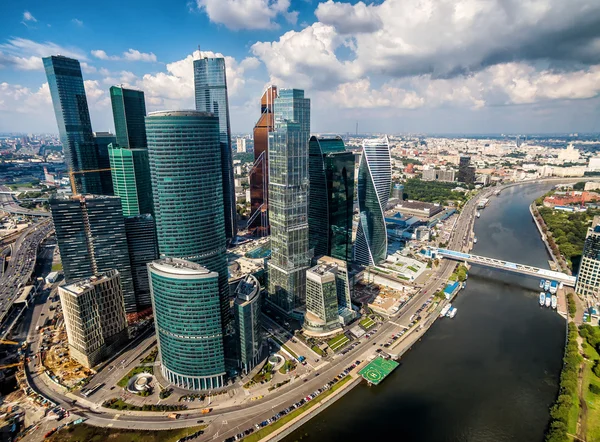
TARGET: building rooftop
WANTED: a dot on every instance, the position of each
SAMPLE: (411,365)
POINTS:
(180,113)
(247,289)
(179,266)
(81,286)
(416,205)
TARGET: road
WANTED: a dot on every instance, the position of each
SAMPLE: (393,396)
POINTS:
(8,204)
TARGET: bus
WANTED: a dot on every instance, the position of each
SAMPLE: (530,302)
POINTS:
(93,390)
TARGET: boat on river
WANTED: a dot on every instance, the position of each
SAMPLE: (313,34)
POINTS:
(475,240)
(546,285)
(548,300)
(542,298)
(542,283)
(478,214)
(554,302)
(452,313)
(445,310)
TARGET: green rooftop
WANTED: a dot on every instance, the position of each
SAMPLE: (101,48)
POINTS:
(378,369)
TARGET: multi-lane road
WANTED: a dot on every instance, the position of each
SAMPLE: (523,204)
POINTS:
(8,204)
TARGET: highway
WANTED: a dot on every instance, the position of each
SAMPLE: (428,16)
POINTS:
(21,265)
(8,204)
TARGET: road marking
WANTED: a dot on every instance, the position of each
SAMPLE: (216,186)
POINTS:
(399,325)
(109,425)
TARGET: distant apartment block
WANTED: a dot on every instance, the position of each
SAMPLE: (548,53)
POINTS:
(447,176)
(94,315)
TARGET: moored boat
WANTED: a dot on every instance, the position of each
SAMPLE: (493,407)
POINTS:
(548,300)
(554,302)
(542,298)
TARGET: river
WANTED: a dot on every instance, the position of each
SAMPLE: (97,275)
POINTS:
(489,374)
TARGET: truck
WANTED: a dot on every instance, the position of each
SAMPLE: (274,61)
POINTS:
(173,416)
(302,360)
(206,410)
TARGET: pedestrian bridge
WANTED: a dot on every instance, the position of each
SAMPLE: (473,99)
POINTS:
(523,269)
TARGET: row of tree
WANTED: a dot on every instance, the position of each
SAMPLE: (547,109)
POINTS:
(557,431)
(432,191)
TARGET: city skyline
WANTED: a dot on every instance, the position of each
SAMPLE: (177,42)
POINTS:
(426,83)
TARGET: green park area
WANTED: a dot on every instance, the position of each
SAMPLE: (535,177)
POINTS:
(432,191)
(377,370)
(338,342)
(367,323)
(88,433)
(57,267)
(136,370)
(591,381)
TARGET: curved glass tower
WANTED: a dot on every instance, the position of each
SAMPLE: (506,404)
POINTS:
(185,298)
(185,170)
(374,186)
(331,198)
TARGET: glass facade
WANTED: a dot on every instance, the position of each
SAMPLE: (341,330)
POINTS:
(185,298)
(259,175)
(65,82)
(588,278)
(288,200)
(331,198)
(247,321)
(131,179)
(91,238)
(374,187)
(185,168)
(210,82)
(103,140)
(129,111)
(141,241)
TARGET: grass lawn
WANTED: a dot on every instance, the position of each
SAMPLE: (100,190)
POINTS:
(57,267)
(317,350)
(367,323)
(592,400)
(338,342)
(88,433)
(264,432)
(123,382)
(413,269)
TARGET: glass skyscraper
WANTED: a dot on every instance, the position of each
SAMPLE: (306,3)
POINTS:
(91,238)
(331,198)
(185,297)
(210,82)
(247,321)
(374,187)
(73,117)
(129,111)
(185,168)
(288,200)
(141,241)
(588,279)
(259,175)
(103,140)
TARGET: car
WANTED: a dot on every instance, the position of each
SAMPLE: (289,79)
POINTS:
(317,374)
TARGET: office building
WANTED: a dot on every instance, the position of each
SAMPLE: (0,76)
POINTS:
(210,83)
(65,82)
(185,299)
(241,145)
(444,175)
(328,303)
(331,198)
(103,140)
(420,209)
(141,242)
(129,112)
(466,173)
(247,321)
(288,200)
(398,192)
(258,223)
(131,179)
(90,233)
(374,186)
(185,168)
(588,279)
(94,315)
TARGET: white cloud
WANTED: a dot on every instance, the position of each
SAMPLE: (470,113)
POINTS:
(247,14)
(359,94)
(130,55)
(77,22)
(347,18)
(24,54)
(134,55)
(27,16)
(87,68)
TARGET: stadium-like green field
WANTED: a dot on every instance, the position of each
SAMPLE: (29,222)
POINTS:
(367,323)
(338,342)
(378,369)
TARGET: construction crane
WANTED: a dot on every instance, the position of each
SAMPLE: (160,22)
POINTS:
(16,364)
(7,342)
(72,174)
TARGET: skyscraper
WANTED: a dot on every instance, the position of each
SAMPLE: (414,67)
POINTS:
(258,222)
(103,140)
(129,111)
(185,297)
(466,173)
(210,83)
(185,167)
(331,198)
(374,187)
(129,155)
(141,242)
(91,238)
(73,117)
(94,316)
(247,321)
(288,200)
(588,279)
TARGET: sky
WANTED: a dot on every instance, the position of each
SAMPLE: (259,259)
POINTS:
(392,66)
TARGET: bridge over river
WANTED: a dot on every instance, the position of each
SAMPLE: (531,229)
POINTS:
(523,269)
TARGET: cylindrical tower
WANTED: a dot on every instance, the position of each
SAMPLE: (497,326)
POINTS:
(188,324)
(185,168)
